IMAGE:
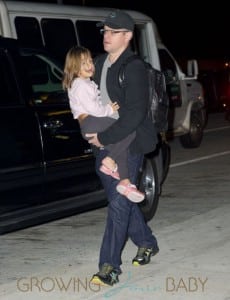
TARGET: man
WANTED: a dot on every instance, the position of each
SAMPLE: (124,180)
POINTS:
(125,219)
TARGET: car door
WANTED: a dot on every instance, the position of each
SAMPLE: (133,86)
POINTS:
(21,167)
(68,158)
(176,90)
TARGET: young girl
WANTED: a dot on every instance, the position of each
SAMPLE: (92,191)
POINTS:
(93,116)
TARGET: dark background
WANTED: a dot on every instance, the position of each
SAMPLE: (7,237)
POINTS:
(190,29)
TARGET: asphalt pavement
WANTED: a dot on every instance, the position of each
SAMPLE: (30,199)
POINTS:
(56,260)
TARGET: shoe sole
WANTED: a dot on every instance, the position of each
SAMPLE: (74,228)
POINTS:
(136,264)
(108,172)
(133,196)
(97,281)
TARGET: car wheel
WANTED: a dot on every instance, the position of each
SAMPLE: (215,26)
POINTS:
(194,137)
(166,157)
(149,184)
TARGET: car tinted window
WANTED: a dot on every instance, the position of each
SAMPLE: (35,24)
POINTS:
(28,31)
(8,87)
(45,76)
(59,36)
(89,36)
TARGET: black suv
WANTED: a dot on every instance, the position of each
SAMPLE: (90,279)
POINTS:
(46,168)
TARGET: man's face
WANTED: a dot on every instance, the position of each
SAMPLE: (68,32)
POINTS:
(115,39)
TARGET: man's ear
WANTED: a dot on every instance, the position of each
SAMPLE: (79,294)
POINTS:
(129,35)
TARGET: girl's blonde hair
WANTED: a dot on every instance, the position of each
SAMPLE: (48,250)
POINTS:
(73,64)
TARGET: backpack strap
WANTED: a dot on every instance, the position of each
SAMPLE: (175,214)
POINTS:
(121,74)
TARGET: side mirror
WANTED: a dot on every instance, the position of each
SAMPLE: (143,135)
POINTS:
(192,68)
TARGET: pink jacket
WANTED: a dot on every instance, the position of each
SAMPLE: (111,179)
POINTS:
(84,98)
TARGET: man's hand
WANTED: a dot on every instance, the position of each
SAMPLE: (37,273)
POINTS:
(93,139)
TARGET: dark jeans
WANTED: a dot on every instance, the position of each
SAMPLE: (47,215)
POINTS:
(124,219)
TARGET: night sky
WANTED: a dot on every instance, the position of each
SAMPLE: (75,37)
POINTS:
(189,30)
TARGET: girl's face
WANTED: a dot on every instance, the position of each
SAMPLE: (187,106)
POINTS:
(87,67)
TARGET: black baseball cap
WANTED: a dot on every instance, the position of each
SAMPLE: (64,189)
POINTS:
(118,19)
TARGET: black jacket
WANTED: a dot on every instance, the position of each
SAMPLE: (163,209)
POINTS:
(133,102)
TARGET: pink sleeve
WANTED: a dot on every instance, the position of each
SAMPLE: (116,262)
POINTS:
(85,95)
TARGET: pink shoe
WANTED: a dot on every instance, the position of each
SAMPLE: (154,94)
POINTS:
(109,172)
(131,192)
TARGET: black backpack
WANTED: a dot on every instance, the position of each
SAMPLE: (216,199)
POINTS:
(158,98)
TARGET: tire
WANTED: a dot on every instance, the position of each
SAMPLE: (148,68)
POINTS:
(195,135)
(166,157)
(149,184)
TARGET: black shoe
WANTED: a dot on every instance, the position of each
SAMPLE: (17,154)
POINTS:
(106,276)
(144,255)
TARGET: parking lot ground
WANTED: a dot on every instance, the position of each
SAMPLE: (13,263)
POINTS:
(56,260)
(48,262)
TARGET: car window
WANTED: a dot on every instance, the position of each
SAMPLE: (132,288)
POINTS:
(59,36)
(89,36)
(28,31)
(46,78)
(8,87)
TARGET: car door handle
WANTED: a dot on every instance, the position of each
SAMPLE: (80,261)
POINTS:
(52,124)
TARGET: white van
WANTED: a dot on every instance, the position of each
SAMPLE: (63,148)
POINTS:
(59,27)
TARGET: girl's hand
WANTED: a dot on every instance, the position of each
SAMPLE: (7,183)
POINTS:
(115,106)
(93,139)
